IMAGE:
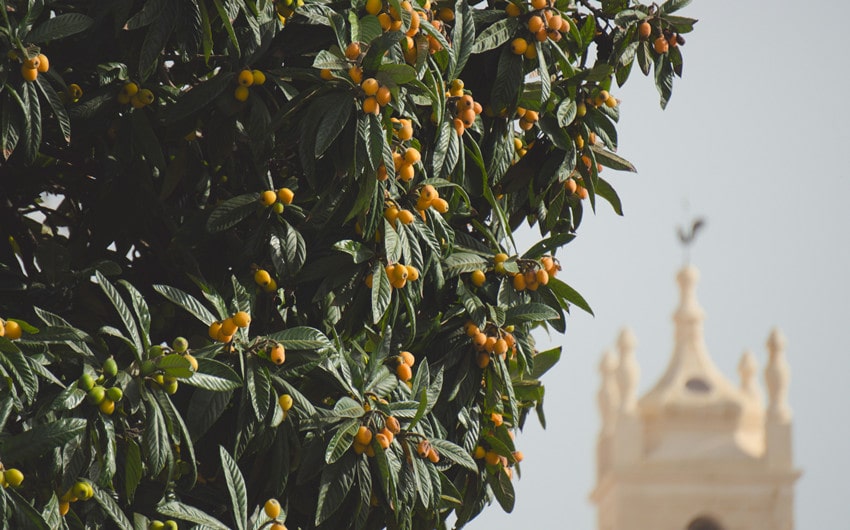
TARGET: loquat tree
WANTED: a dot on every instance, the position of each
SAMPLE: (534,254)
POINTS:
(257,266)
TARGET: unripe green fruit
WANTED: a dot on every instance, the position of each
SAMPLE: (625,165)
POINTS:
(154,351)
(81,490)
(115,394)
(171,525)
(180,344)
(148,367)
(110,367)
(85,382)
(278,208)
(97,395)
(13,477)
(156,525)
(171,386)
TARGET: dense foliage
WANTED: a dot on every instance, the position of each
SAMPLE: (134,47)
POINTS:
(320,196)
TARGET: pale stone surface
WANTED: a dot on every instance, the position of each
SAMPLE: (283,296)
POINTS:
(696,452)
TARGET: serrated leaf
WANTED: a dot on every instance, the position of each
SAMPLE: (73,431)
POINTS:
(495,35)
(609,159)
(348,408)
(187,302)
(232,211)
(545,360)
(236,487)
(338,111)
(56,104)
(381,292)
(569,294)
(215,376)
(184,512)
(24,513)
(454,453)
(41,439)
(59,27)
(531,312)
(336,481)
(133,471)
(302,338)
(122,309)
(461,262)
(111,507)
(199,97)
(342,439)
(175,365)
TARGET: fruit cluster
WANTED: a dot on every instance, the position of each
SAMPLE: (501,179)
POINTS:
(527,118)
(393,213)
(519,148)
(245,79)
(463,107)
(278,199)
(11,477)
(531,278)
(400,274)
(363,439)
(665,40)
(404,365)
(286,8)
(495,461)
(375,95)
(429,197)
(98,395)
(492,340)
(80,491)
(272,511)
(10,329)
(542,21)
(132,95)
(425,450)
(223,330)
(34,66)
(265,280)
(404,162)
(390,19)
(170,524)
(73,93)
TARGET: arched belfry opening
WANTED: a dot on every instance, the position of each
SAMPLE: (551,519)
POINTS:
(704,523)
(698,450)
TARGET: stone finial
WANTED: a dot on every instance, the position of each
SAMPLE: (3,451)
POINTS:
(689,315)
(747,369)
(628,371)
(776,375)
(608,396)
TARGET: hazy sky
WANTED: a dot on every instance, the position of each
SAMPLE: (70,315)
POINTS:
(754,139)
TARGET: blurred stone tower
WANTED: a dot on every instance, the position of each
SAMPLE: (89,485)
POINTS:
(695,452)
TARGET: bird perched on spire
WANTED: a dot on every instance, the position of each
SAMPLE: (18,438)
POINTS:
(687,238)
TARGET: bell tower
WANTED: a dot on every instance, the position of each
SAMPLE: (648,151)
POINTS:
(696,452)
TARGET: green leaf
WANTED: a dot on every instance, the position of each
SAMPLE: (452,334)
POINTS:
(509,80)
(232,211)
(463,36)
(123,311)
(187,302)
(664,79)
(184,512)
(531,312)
(228,25)
(215,376)
(381,292)
(461,262)
(155,442)
(236,487)
(32,132)
(548,245)
(156,39)
(503,489)
(358,251)
(302,338)
(59,27)
(133,471)
(342,439)
(41,439)
(348,408)
(337,480)
(569,294)
(609,159)
(454,453)
(21,371)
(24,512)
(338,107)
(495,35)
(673,5)
(111,507)
(545,360)
(288,249)
(606,191)
(398,74)
(175,365)
(56,104)
(199,97)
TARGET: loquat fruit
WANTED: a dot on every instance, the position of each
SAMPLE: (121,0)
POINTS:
(382,440)
(130,89)
(519,282)
(29,74)
(145,96)
(262,277)
(478,278)
(228,326)
(512,10)
(285,196)
(535,23)
(479,339)
(433,456)
(272,508)
(478,453)
(326,74)
(370,86)
(277,526)
(241,93)
(373,7)
(192,361)
(259,77)
(384,96)
(539,4)
(285,402)
(13,477)
(440,204)
(370,106)
(277,354)
(644,30)
(392,425)
(241,319)
(404,372)
(215,330)
(352,51)
(405,216)
(13,330)
(519,45)
(412,155)
(43,63)
(492,458)
(246,78)
(412,273)
(270,287)
(482,359)
(407,358)
(661,45)
(542,277)
(107,406)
